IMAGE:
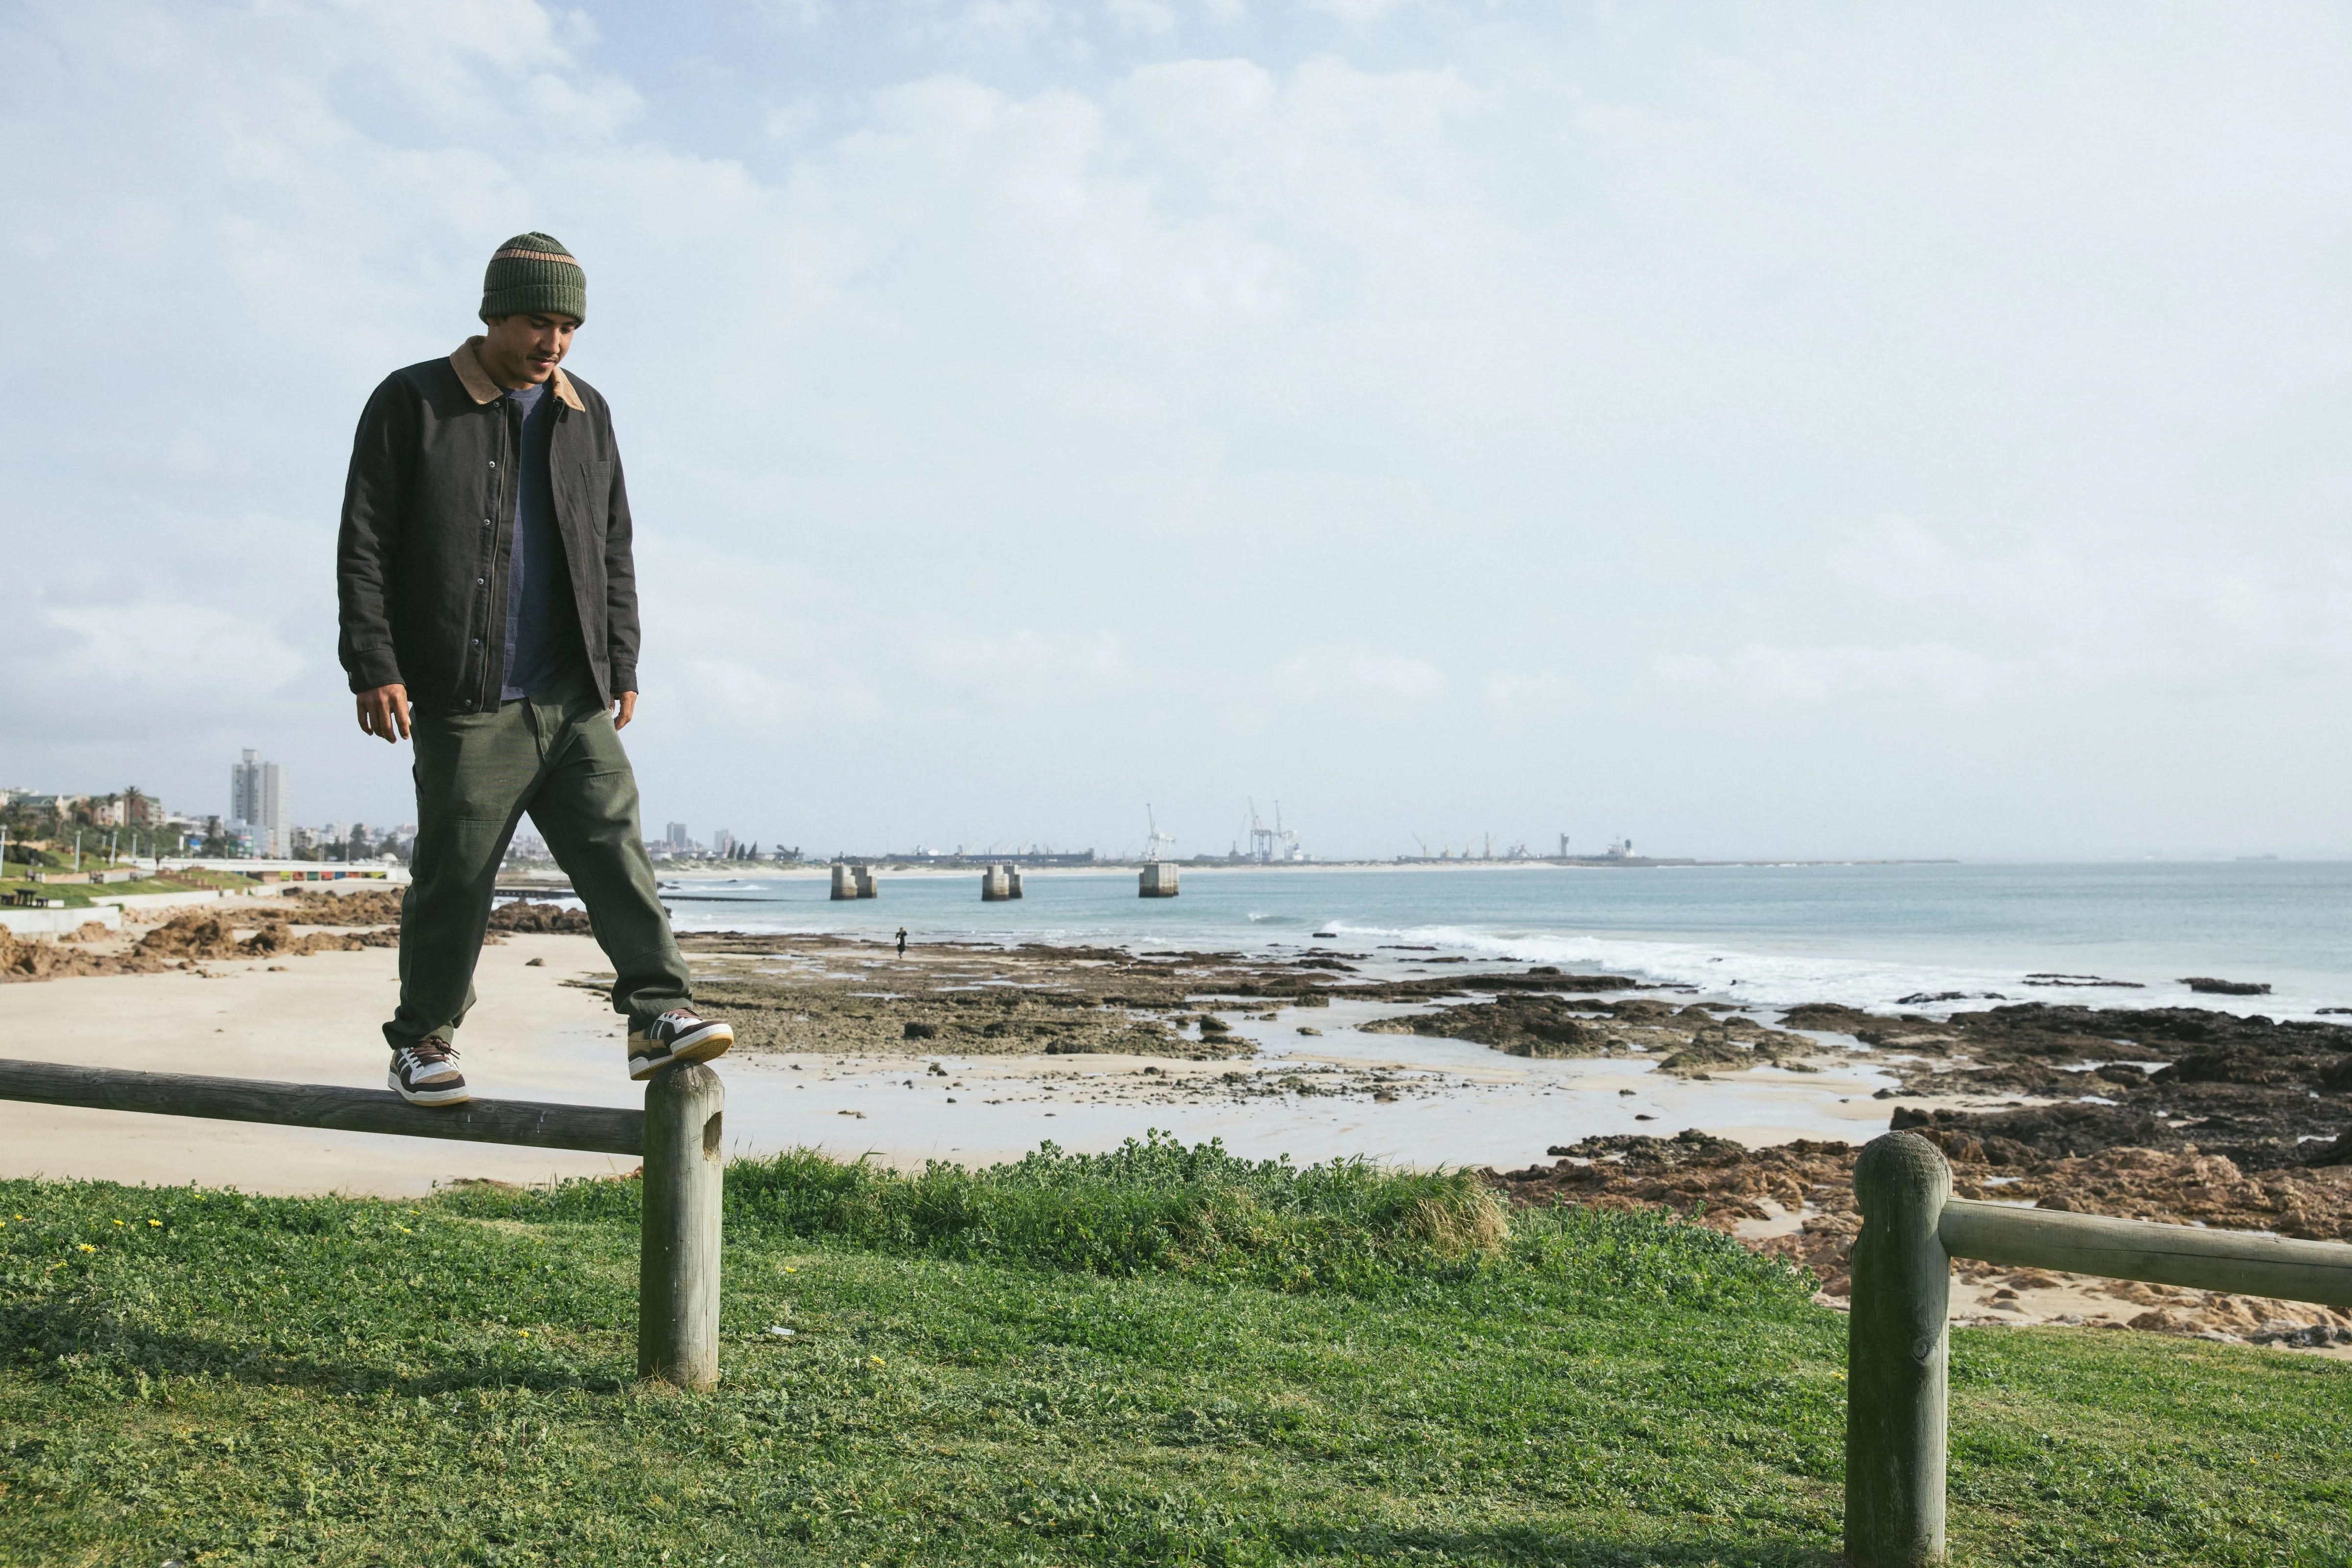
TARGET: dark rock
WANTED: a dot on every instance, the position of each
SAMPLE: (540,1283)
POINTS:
(1641,1150)
(2092,981)
(1830,1018)
(2048,1131)
(526,917)
(2209,986)
(2237,1066)
(1520,1025)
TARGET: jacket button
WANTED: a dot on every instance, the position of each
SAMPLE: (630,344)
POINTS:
(494,461)
(477,582)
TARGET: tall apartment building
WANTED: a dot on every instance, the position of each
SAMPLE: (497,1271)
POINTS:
(258,804)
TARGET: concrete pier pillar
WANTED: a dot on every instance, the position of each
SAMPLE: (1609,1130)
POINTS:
(863,881)
(996,885)
(1013,876)
(1158,880)
(845,881)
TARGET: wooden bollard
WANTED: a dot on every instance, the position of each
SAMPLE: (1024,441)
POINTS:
(679,1241)
(1898,1345)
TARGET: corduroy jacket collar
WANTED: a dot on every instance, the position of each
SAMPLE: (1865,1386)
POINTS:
(467,361)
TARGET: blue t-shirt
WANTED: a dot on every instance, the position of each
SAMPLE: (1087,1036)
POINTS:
(543,621)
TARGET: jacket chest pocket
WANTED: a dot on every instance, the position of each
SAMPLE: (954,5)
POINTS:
(584,494)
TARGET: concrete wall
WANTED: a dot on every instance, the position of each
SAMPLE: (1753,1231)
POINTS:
(58,922)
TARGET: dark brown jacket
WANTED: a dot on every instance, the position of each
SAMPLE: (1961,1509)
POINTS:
(429,531)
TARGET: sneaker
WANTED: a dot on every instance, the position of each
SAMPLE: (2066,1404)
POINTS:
(681,1034)
(426,1073)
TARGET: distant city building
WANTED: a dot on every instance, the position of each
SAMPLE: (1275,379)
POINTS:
(675,841)
(260,813)
(722,842)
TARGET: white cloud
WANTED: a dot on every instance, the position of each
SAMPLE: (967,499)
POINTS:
(1919,674)
(1532,693)
(1145,16)
(1022,668)
(1353,677)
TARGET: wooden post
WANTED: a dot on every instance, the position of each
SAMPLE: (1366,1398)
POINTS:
(1897,1356)
(678,1256)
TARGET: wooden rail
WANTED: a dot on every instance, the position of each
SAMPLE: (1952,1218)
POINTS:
(1899,1337)
(595,1128)
(679,1134)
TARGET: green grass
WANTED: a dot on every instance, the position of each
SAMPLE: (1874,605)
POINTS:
(81,894)
(1163,1355)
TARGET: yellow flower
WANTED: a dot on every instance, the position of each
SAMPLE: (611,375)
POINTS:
(525,1333)
(877,1360)
(88,1248)
(404,1230)
(117,1222)
(156,1223)
(789,1270)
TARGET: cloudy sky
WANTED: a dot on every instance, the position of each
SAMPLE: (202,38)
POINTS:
(1751,428)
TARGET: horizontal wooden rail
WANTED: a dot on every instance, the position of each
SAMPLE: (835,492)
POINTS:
(529,1122)
(2234,1261)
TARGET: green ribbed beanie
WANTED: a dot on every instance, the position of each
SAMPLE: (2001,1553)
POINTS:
(534,275)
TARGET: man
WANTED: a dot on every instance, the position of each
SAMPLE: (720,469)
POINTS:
(489,612)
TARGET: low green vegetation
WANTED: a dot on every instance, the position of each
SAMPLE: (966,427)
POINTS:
(1159,1355)
(83,895)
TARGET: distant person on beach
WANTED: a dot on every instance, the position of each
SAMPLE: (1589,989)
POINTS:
(902,941)
(489,612)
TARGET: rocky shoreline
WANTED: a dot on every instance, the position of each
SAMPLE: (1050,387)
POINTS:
(2186,1115)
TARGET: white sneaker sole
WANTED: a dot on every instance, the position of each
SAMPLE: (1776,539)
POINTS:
(711,1042)
(430,1093)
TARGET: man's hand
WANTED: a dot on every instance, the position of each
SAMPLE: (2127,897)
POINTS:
(625,708)
(385,712)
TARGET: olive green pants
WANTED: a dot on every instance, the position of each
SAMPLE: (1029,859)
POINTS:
(557,756)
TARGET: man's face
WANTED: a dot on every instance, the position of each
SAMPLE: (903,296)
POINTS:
(523,350)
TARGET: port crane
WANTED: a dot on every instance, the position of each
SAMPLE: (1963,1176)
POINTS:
(1275,844)
(1155,838)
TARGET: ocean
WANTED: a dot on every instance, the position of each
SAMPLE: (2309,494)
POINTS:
(1880,937)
